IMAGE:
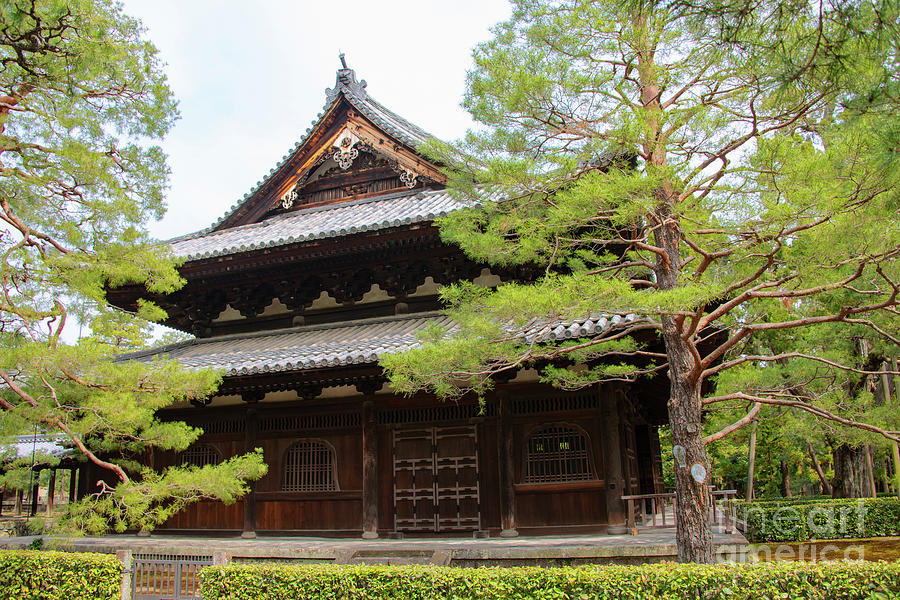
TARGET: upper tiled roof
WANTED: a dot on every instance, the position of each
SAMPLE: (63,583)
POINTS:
(327,221)
(339,344)
(354,92)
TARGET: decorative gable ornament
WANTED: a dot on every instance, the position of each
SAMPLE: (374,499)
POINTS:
(345,148)
(289,198)
(408,178)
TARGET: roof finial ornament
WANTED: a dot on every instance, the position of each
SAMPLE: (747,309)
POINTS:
(346,83)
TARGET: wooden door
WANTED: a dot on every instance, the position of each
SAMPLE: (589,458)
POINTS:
(436,480)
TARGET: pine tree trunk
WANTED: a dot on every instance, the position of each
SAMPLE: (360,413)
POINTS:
(851,472)
(693,531)
(785,479)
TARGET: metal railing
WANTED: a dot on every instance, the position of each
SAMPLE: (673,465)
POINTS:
(653,510)
(167,576)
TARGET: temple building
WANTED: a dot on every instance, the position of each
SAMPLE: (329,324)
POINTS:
(332,261)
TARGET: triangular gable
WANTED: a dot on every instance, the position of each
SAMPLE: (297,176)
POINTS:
(355,141)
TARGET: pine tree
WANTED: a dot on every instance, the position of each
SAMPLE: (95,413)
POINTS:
(718,173)
(82,98)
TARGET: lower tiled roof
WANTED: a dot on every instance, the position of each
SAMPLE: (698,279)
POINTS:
(338,344)
(299,348)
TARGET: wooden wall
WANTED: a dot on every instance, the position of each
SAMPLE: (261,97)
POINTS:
(540,507)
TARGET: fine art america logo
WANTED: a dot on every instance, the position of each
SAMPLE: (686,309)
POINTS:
(810,533)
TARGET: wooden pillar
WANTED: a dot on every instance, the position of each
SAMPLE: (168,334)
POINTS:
(51,491)
(18,509)
(73,480)
(251,427)
(506,455)
(34,492)
(369,470)
(612,463)
(1,501)
(84,476)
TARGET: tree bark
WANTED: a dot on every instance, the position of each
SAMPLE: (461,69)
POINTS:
(820,472)
(693,532)
(785,479)
(896,453)
(751,462)
(851,472)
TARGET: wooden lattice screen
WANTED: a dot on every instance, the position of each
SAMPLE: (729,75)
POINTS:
(557,454)
(199,455)
(309,467)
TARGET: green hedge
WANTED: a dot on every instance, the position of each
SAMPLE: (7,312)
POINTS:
(40,575)
(820,520)
(783,501)
(848,581)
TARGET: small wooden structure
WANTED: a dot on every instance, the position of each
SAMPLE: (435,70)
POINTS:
(43,450)
(332,261)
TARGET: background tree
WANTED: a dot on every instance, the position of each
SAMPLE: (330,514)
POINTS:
(82,96)
(704,170)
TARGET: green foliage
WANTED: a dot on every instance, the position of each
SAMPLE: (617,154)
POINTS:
(822,519)
(151,498)
(721,172)
(82,101)
(659,581)
(32,575)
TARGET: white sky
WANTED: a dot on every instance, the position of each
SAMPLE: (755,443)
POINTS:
(250,78)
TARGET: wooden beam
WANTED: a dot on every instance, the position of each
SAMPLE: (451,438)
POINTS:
(34,493)
(51,491)
(506,454)
(612,462)
(250,434)
(369,470)
(73,481)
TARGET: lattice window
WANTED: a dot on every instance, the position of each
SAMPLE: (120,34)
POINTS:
(199,455)
(557,454)
(309,466)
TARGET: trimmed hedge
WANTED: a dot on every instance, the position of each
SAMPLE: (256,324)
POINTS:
(41,575)
(849,581)
(783,501)
(820,520)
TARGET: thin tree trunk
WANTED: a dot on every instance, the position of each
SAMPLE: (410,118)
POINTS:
(897,469)
(896,448)
(751,462)
(785,479)
(826,485)
(870,464)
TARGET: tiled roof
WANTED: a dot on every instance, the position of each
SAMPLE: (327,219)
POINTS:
(333,220)
(299,348)
(347,86)
(40,444)
(339,344)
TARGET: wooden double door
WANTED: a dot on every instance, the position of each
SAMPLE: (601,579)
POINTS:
(436,483)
